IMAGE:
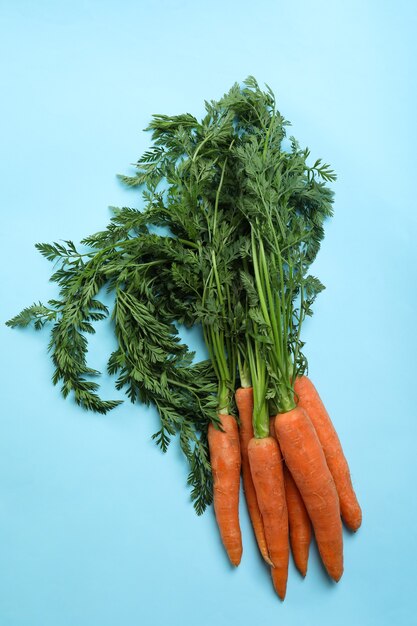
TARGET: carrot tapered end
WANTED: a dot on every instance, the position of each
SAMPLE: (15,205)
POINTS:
(300,557)
(302,569)
(280,582)
(352,519)
(235,556)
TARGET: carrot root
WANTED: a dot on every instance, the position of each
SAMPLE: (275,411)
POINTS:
(266,468)
(244,403)
(305,459)
(298,520)
(225,462)
(299,523)
(310,401)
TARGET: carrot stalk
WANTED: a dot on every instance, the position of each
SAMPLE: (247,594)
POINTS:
(225,463)
(244,403)
(305,459)
(310,401)
(266,467)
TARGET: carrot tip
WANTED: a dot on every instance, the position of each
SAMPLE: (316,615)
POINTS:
(280,585)
(353,527)
(281,593)
(301,565)
(336,577)
(236,561)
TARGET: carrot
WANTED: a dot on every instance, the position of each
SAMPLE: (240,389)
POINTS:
(310,401)
(225,463)
(266,467)
(298,520)
(277,580)
(299,523)
(305,459)
(244,403)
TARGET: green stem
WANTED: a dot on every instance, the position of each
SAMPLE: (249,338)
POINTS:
(216,202)
(223,394)
(258,281)
(275,324)
(210,351)
(244,371)
(258,372)
(268,132)
(274,310)
(209,135)
(300,321)
(190,244)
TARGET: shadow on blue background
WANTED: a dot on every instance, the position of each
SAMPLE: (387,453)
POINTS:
(96,525)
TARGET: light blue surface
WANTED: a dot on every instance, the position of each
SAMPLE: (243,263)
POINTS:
(96,528)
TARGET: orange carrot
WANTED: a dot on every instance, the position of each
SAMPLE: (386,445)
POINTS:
(310,401)
(299,523)
(280,585)
(266,468)
(305,459)
(225,463)
(298,520)
(244,403)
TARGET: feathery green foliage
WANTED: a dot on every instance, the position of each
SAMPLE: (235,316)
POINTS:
(242,213)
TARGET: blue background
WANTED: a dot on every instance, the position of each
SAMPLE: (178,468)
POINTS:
(96,526)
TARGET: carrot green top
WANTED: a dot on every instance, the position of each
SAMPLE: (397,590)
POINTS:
(232,218)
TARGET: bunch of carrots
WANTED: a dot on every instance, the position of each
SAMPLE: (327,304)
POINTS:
(243,211)
(295,475)
(294,479)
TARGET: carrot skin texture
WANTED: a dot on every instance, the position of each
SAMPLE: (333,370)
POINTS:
(299,523)
(311,402)
(225,463)
(244,403)
(305,459)
(266,467)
